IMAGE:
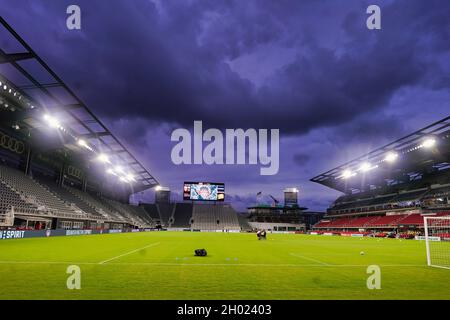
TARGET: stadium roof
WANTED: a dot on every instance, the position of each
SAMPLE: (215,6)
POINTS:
(414,157)
(47,101)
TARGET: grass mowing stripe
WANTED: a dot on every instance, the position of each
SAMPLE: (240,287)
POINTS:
(128,253)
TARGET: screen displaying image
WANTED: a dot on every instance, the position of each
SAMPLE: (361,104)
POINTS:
(204,191)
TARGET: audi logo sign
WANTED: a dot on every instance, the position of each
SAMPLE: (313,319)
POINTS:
(11,144)
(74,172)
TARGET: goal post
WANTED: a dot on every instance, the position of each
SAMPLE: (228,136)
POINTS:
(437,240)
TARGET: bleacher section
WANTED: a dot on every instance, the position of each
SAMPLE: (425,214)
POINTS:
(165,211)
(243,222)
(42,196)
(214,217)
(105,211)
(32,192)
(68,197)
(141,213)
(10,199)
(133,213)
(376,222)
(182,216)
(152,211)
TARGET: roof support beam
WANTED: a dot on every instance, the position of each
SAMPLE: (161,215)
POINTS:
(13,57)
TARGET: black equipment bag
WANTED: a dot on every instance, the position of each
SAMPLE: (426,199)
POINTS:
(200,252)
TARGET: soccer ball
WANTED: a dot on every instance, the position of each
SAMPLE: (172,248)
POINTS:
(362,253)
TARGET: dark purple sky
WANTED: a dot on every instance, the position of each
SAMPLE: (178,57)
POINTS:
(310,68)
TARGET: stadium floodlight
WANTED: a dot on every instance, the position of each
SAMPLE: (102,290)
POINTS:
(110,171)
(157,188)
(124,179)
(365,167)
(429,143)
(118,169)
(130,177)
(52,121)
(82,143)
(347,174)
(391,157)
(103,158)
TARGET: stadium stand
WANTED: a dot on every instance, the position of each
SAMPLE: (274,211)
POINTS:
(166,211)
(243,222)
(396,193)
(68,197)
(95,204)
(10,200)
(34,193)
(182,216)
(377,222)
(152,211)
(214,217)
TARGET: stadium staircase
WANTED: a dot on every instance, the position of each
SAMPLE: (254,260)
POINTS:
(182,216)
(165,211)
(152,211)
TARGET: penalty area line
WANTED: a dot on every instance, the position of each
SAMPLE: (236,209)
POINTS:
(128,253)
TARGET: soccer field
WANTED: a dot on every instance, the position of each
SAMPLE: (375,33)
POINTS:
(161,265)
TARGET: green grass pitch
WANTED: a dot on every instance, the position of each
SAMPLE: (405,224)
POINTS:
(161,265)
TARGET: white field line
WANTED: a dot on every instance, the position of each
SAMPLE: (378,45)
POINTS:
(129,252)
(156,264)
(310,259)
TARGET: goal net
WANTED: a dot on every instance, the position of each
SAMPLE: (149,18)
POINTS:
(437,238)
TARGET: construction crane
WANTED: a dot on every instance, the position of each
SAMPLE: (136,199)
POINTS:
(275,201)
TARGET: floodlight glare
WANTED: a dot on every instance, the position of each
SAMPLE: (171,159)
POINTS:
(130,177)
(118,169)
(391,157)
(428,143)
(82,143)
(157,188)
(51,121)
(103,158)
(110,171)
(347,174)
(365,167)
